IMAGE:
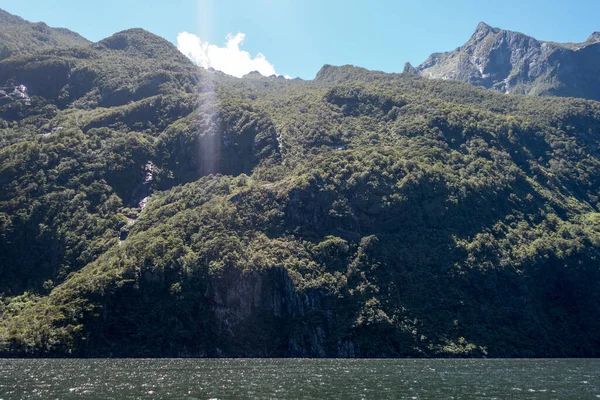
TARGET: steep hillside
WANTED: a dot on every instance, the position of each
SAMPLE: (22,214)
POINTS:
(153,208)
(511,62)
(128,66)
(18,36)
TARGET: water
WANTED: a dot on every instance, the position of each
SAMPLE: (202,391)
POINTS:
(299,379)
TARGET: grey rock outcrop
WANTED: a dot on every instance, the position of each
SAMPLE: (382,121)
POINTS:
(511,62)
(594,37)
(238,298)
(409,69)
(14,93)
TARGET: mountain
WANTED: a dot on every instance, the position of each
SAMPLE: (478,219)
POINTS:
(18,36)
(150,207)
(7,18)
(511,62)
(127,66)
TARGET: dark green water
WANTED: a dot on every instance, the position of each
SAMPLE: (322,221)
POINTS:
(299,379)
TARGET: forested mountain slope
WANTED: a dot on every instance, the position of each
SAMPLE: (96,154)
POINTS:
(153,208)
(18,36)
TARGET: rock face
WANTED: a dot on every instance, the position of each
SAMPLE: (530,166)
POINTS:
(16,93)
(409,69)
(238,314)
(511,62)
(239,300)
(594,37)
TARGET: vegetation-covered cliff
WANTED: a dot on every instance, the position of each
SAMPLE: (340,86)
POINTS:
(153,208)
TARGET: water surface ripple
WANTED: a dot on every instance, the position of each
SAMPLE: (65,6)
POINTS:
(299,379)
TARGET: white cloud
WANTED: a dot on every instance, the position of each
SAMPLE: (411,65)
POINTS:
(229,59)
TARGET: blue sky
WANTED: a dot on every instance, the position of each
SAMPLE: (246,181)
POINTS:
(298,37)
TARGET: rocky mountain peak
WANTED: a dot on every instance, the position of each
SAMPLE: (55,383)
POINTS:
(511,62)
(409,69)
(483,30)
(594,37)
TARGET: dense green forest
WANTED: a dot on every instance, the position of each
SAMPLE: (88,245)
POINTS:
(18,36)
(153,208)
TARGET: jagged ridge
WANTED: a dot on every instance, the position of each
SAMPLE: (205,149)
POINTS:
(511,62)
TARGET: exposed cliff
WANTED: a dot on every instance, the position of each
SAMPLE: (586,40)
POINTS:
(511,62)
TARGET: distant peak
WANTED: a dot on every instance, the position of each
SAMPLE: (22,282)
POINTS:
(128,38)
(324,71)
(484,29)
(143,42)
(595,37)
(254,75)
(330,73)
(8,18)
(409,69)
